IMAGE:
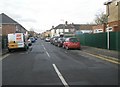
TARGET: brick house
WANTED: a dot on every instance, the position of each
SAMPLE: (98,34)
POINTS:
(86,28)
(113,14)
(10,26)
(83,28)
(99,28)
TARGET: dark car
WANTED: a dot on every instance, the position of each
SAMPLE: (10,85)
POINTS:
(72,42)
(55,40)
(32,39)
(60,41)
(51,40)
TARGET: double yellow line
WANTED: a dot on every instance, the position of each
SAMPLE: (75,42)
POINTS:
(106,58)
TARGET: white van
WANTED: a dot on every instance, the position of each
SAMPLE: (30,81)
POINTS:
(16,41)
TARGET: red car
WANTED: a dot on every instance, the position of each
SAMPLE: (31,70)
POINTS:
(72,42)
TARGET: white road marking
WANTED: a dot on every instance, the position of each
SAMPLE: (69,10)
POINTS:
(44,47)
(2,57)
(46,51)
(60,76)
(48,54)
(65,51)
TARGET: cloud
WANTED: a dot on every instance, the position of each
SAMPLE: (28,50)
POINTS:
(42,14)
(28,20)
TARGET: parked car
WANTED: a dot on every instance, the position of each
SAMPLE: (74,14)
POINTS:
(35,38)
(47,39)
(32,39)
(71,42)
(60,41)
(29,42)
(55,40)
(51,40)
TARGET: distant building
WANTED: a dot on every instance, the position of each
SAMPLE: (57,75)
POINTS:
(10,26)
(62,29)
(53,31)
(71,29)
(45,34)
(113,13)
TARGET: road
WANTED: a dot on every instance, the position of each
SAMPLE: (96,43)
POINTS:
(46,64)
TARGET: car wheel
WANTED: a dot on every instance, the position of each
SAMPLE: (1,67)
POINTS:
(58,45)
(67,47)
(63,46)
(79,48)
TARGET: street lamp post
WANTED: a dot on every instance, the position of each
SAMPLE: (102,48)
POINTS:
(63,26)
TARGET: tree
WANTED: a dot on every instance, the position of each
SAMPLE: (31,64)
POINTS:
(31,32)
(101,18)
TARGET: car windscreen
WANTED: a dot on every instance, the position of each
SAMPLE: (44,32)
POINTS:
(74,40)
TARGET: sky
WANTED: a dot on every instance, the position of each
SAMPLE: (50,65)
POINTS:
(41,15)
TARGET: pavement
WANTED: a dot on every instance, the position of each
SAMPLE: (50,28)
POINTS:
(3,52)
(101,52)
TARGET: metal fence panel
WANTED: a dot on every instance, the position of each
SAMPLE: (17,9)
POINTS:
(96,40)
(4,42)
(114,41)
(99,40)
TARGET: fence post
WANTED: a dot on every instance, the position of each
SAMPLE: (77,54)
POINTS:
(108,40)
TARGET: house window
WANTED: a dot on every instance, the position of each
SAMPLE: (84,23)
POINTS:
(109,29)
(17,29)
(61,30)
(55,30)
(66,30)
(98,30)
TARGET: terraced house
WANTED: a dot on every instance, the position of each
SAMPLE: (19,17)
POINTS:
(10,26)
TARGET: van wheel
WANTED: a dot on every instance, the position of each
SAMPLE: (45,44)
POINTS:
(25,48)
(9,50)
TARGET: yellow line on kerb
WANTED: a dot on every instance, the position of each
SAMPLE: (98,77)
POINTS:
(110,60)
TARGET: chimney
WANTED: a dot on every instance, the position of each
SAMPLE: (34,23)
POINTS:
(66,22)
(52,27)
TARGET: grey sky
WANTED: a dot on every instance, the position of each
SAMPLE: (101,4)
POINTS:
(42,14)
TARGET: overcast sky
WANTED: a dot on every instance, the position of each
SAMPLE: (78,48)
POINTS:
(41,15)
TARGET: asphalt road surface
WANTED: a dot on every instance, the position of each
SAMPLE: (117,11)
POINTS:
(46,64)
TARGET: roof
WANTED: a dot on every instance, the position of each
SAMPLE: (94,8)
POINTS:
(110,1)
(63,26)
(77,26)
(4,19)
(86,26)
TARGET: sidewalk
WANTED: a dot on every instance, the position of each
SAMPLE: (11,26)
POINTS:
(99,51)
(3,52)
